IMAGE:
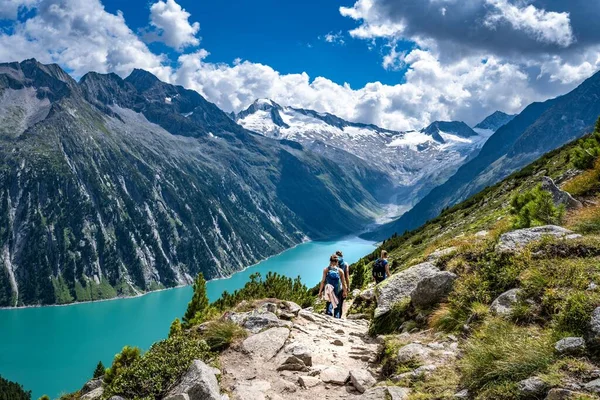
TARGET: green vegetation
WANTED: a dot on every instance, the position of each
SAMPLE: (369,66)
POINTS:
(197,307)
(100,370)
(12,391)
(152,375)
(501,354)
(390,322)
(220,334)
(536,207)
(358,276)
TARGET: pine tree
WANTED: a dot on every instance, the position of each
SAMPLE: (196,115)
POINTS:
(199,302)
(598,125)
(99,371)
(176,328)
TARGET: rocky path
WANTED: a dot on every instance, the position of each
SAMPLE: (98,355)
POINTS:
(313,357)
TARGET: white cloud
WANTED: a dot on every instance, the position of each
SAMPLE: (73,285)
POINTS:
(549,27)
(9,9)
(172,26)
(334,38)
(81,36)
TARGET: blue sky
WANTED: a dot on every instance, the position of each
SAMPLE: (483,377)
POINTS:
(287,35)
(399,64)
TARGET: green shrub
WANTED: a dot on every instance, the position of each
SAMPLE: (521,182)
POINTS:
(176,328)
(536,207)
(501,352)
(152,375)
(99,371)
(220,334)
(586,151)
(199,304)
(388,356)
(358,276)
(391,321)
(574,313)
(122,361)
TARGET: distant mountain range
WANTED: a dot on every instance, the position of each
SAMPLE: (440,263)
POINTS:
(541,127)
(113,186)
(415,161)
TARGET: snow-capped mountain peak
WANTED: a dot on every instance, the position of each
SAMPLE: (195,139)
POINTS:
(494,121)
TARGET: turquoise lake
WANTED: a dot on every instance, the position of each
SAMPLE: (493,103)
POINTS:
(54,350)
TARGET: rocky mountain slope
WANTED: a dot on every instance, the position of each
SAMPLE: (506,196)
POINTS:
(541,127)
(414,161)
(494,121)
(113,187)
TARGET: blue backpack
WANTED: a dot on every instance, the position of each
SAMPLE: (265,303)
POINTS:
(333,278)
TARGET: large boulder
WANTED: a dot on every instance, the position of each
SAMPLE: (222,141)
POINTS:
(335,375)
(436,255)
(593,386)
(257,320)
(513,241)
(414,352)
(564,394)
(504,303)
(361,379)
(94,394)
(559,197)
(432,289)
(400,286)
(398,393)
(198,383)
(570,346)
(300,351)
(266,344)
(532,387)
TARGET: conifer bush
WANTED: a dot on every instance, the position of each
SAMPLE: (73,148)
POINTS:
(536,207)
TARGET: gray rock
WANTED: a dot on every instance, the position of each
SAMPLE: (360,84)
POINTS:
(268,307)
(559,197)
(413,352)
(307,315)
(254,390)
(431,290)
(361,379)
(367,294)
(91,385)
(504,303)
(463,394)
(267,343)
(436,255)
(117,398)
(308,382)
(532,387)
(516,240)
(400,286)
(375,393)
(337,342)
(198,383)
(593,334)
(94,394)
(570,345)
(335,375)
(398,393)
(300,351)
(424,370)
(293,363)
(355,293)
(292,307)
(563,394)
(257,321)
(593,386)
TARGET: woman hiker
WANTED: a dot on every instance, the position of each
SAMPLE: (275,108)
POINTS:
(333,287)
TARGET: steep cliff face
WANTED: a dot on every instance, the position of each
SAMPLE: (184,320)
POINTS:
(113,187)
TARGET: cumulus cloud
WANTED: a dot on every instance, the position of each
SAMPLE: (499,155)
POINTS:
(334,38)
(80,36)
(171,25)
(9,9)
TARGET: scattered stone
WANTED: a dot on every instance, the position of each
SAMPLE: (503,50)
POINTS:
(267,343)
(563,394)
(119,398)
(337,342)
(94,394)
(268,307)
(91,385)
(300,351)
(357,316)
(559,197)
(400,286)
(482,234)
(307,315)
(570,346)
(254,390)
(293,363)
(532,387)
(593,334)
(413,352)
(592,287)
(504,303)
(463,394)
(516,240)
(361,379)
(375,393)
(424,370)
(593,386)
(198,383)
(308,382)
(436,255)
(339,331)
(367,294)
(398,393)
(292,307)
(433,289)
(335,375)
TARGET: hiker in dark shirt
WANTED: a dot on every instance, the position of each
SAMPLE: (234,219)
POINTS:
(381,268)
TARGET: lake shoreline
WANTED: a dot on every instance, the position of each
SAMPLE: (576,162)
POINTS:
(170,288)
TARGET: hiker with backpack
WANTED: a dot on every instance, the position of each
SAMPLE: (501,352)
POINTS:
(381,268)
(346,269)
(333,287)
